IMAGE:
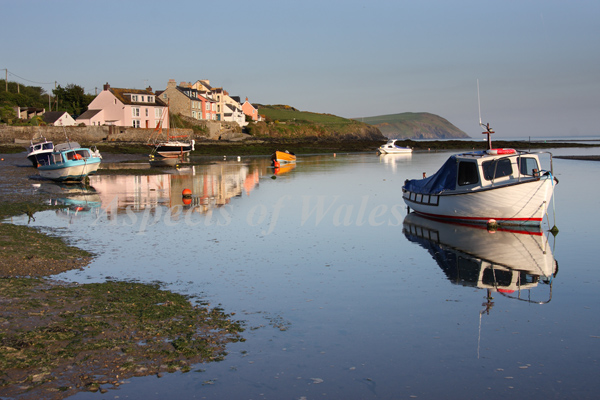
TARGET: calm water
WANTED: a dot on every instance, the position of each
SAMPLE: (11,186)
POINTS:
(342,297)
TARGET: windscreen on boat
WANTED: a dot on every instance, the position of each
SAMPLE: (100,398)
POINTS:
(444,179)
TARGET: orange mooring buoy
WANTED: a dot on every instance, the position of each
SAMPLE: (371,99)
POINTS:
(186,193)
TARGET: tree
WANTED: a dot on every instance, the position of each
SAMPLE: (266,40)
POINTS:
(72,98)
(7,114)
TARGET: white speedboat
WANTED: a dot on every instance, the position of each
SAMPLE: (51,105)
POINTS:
(70,162)
(39,151)
(392,148)
(504,186)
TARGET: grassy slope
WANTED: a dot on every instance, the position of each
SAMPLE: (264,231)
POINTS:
(290,114)
(286,123)
(415,126)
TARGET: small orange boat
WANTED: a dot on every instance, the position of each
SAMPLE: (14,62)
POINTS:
(283,157)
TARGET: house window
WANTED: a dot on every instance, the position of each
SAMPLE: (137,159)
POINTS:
(150,99)
(193,114)
(135,112)
(207,106)
(143,99)
(157,113)
(134,97)
(147,112)
(136,123)
(164,96)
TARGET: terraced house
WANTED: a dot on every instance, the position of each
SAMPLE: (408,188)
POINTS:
(138,108)
(185,100)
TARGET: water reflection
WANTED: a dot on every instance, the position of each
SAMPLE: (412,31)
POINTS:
(212,186)
(395,160)
(75,198)
(509,261)
(284,169)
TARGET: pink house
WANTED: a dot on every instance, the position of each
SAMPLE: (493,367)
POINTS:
(126,107)
(250,110)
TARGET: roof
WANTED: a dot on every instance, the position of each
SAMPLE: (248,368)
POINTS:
(88,114)
(121,95)
(198,96)
(51,117)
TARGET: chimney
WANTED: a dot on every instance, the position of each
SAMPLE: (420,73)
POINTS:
(107,86)
(149,89)
(171,83)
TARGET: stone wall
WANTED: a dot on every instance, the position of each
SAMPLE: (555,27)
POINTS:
(97,134)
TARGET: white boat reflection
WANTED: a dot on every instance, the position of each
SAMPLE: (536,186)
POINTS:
(507,261)
(395,160)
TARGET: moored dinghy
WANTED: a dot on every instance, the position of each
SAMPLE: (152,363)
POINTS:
(282,157)
(505,186)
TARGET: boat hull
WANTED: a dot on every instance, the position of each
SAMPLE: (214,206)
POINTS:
(72,170)
(40,152)
(174,149)
(395,150)
(523,203)
(283,158)
(40,158)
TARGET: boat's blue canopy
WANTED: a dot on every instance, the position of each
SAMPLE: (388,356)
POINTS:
(444,179)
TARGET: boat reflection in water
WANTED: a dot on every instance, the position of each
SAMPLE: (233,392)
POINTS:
(506,261)
(284,169)
(74,199)
(176,162)
(395,160)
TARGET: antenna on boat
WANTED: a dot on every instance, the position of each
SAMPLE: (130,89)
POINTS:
(488,130)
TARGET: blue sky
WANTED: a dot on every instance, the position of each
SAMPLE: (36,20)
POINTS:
(538,62)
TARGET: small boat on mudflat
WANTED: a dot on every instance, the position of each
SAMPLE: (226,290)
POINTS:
(392,148)
(504,186)
(283,157)
(70,162)
(174,148)
(39,151)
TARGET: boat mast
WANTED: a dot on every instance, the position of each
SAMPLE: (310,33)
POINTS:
(488,130)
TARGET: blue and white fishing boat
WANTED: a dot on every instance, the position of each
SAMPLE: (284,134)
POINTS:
(70,162)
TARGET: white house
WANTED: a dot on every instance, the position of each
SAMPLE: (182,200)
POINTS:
(58,118)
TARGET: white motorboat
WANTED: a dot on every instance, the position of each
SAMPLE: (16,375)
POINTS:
(504,186)
(392,148)
(39,151)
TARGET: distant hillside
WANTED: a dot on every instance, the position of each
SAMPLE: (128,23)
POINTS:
(415,126)
(287,123)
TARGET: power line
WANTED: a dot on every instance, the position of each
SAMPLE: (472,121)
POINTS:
(20,77)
